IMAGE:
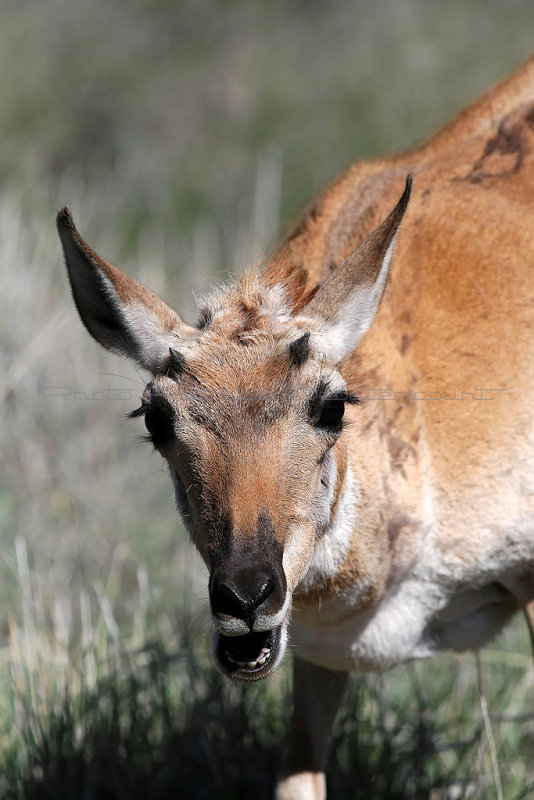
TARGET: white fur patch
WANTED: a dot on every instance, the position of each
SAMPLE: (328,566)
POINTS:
(432,608)
(353,317)
(266,622)
(377,638)
(152,341)
(333,547)
(273,302)
(302,786)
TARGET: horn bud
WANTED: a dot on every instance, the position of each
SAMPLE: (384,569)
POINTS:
(176,361)
(299,350)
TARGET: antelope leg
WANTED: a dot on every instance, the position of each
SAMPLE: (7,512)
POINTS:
(522,589)
(317,696)
(529,614)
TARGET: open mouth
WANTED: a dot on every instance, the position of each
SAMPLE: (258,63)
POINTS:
(247,657)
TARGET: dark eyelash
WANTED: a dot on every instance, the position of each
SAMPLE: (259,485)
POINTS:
(146,438)
(350,399)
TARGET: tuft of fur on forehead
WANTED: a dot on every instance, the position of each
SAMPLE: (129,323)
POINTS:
(293,278)
(245,344)
(257,303)
(248,306)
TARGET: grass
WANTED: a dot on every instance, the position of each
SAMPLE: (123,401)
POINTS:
(184,137)
(148,716)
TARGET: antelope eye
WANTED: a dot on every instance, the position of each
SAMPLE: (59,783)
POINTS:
(332,412)
(159,426)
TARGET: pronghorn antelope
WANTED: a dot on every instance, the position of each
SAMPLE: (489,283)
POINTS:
(350,434)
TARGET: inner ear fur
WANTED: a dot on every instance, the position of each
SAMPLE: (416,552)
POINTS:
(347,302)
(120,313)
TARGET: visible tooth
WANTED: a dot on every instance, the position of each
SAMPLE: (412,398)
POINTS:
(265,654)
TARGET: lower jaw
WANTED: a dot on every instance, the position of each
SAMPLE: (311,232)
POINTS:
(250,657)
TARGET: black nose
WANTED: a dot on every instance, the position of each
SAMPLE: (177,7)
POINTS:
(240,601)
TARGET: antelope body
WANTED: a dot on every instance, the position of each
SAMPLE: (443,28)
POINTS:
(410,530)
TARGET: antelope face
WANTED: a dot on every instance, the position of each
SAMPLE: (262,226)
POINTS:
(247,425)
(247,408)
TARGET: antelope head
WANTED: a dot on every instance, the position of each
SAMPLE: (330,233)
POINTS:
(247,409)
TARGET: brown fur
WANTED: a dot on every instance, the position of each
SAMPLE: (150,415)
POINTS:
(440,442)
(464,255)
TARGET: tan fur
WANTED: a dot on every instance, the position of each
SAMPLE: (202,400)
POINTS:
(435,472)
(458,314)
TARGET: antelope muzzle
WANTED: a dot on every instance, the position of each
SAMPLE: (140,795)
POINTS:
(250,604)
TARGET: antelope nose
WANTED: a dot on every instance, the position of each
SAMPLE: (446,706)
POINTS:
(233,601)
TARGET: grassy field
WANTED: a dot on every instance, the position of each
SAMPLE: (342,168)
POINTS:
(184,137)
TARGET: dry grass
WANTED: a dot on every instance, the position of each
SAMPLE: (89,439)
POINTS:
(130,717)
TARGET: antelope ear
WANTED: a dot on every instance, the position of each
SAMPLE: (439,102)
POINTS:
(347,302)
(117,310)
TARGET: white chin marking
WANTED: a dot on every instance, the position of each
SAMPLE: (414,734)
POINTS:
(332,548)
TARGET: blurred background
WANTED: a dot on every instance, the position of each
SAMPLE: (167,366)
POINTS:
(185,136)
